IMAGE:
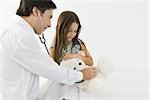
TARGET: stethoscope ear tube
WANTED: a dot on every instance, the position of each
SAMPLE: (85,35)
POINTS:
(43,41)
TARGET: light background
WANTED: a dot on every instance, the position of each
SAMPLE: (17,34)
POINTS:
(118,29)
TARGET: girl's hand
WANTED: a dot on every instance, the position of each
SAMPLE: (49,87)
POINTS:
(81,53)
(69,56)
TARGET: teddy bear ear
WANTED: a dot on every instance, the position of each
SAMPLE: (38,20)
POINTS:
(105,65)
(67,63)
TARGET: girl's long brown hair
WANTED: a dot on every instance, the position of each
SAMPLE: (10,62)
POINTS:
(65,20)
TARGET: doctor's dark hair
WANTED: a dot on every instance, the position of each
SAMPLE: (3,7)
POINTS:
(26,6)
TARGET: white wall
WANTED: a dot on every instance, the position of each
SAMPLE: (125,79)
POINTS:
(114,28)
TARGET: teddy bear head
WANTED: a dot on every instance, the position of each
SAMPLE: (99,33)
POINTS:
(74,63)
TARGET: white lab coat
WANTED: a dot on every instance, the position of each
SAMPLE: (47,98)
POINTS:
(22,61)
(56,91)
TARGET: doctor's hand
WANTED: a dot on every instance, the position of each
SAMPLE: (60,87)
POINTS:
(89,73)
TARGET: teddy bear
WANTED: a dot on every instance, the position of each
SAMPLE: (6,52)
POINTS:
(96,85)
(59,91)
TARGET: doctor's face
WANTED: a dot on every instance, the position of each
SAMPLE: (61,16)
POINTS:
(43,21)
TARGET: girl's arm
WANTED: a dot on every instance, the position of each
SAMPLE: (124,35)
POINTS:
(51,52)
(87,58)
(83,55)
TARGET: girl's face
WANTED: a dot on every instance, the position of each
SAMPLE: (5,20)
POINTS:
(72,31)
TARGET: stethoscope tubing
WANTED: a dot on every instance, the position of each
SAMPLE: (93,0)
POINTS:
(43,41)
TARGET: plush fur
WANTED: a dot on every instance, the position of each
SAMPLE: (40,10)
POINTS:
(97,84)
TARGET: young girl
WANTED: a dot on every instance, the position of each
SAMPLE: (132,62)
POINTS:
(67,44)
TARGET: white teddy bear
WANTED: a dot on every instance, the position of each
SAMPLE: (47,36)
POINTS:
(97,84)
(94,86)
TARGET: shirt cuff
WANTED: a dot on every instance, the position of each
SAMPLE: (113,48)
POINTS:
(80,77)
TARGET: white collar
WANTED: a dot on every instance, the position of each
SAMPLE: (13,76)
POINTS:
(23,23)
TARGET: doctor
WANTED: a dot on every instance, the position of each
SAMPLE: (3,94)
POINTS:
(21,58)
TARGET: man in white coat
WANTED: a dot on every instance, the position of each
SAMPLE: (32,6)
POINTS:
(21,58)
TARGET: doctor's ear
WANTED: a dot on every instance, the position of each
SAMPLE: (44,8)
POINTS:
(36,11)
(39,14)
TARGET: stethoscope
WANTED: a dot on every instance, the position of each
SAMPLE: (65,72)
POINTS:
(43,41)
